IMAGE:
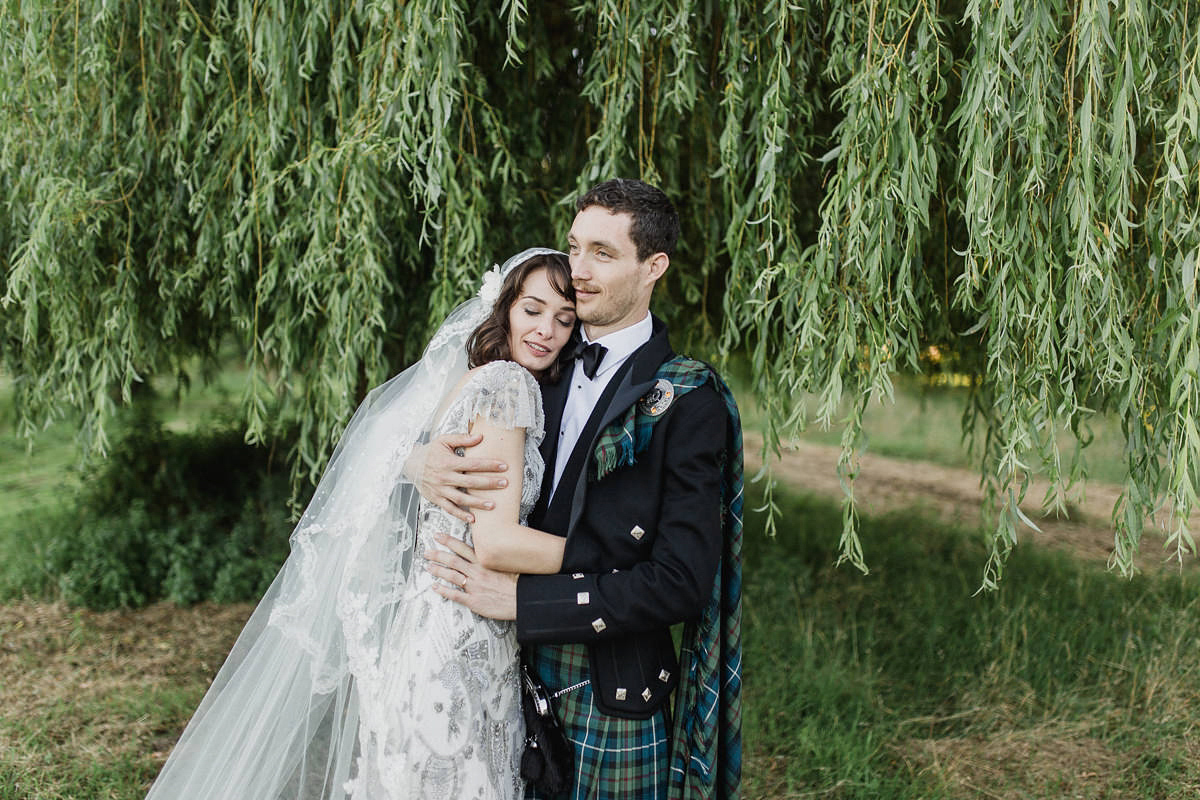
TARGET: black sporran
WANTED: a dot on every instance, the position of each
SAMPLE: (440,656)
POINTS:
(548,759)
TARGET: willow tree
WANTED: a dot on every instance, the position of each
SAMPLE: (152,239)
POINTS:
(1014,184)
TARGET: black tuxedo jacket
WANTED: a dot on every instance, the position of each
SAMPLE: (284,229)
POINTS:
(643,543)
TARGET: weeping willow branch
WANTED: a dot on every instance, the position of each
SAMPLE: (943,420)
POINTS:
(315,184)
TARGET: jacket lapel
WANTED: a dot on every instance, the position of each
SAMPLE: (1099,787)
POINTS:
(554,400)
(635,382)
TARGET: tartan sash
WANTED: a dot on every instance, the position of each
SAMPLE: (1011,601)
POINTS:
(628,436)
(706,752)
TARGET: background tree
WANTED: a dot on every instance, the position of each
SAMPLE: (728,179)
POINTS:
(1015,184)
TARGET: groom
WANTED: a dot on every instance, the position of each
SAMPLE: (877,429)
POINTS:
(643,478)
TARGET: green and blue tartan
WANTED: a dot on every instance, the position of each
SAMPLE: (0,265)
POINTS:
(615,758)
(628,436)
(706,757)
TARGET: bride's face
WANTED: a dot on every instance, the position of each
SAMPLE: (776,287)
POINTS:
(539,323)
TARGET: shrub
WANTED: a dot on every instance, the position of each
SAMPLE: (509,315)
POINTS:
(183,517)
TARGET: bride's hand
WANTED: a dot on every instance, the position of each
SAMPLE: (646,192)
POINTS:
(488,593)
(445,478)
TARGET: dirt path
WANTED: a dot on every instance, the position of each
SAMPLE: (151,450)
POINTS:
(887,484)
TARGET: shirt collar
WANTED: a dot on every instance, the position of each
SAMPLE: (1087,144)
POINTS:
(621,344)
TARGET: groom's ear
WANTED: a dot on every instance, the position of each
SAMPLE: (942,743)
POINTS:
(657,264)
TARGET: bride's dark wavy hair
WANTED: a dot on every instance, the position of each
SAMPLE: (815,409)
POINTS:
(489,342)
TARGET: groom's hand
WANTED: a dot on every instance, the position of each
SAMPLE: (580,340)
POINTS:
(446,478)
(488,593)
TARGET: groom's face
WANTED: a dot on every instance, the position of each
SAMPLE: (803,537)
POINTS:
(612,287)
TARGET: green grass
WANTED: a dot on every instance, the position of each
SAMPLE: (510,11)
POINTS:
(1068,682)
(853,681)
(923,422)
(108,735)
(92,701)
(36,473)
(38,481)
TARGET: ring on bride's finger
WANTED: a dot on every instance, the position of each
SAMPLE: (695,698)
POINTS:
(464,583)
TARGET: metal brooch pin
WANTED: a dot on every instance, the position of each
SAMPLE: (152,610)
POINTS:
(658,399)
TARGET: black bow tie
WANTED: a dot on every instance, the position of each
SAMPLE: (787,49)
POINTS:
(592,354)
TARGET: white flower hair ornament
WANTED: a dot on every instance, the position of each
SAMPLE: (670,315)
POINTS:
(489,290)
(493,279)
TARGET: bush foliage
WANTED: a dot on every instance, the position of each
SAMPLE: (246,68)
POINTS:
(182,517)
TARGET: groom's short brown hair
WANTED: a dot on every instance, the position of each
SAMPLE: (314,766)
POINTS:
(655,226)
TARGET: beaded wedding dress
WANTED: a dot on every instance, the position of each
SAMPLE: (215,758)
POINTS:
(444,715)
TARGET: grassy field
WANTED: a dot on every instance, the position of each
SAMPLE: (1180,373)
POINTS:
(1068,682)
(37,479)
(35,473)
(923,422)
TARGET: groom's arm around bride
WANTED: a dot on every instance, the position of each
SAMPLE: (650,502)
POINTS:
(640,480)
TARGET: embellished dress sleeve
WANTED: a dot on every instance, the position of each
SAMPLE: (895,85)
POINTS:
(506,395)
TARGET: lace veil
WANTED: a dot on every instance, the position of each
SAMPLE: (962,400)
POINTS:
(281,717)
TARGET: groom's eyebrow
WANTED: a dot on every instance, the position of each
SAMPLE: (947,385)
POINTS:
(593,244)
(607,245)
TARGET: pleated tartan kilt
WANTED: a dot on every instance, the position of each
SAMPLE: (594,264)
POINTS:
(615,758)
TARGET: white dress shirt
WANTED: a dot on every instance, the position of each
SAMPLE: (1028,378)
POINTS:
(583,392)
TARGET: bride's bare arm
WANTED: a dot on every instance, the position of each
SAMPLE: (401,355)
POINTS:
(500,542)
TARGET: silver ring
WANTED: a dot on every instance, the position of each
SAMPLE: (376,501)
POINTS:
(464,583)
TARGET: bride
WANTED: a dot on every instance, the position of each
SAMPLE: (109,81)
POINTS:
(354,679)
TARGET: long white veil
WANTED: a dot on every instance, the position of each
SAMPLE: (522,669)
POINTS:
(280,721)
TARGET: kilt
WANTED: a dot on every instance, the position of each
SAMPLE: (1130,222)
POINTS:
(615,758)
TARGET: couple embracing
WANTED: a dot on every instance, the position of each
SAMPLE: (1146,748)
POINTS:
(385,660)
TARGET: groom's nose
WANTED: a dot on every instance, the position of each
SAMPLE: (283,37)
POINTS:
(579,269)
